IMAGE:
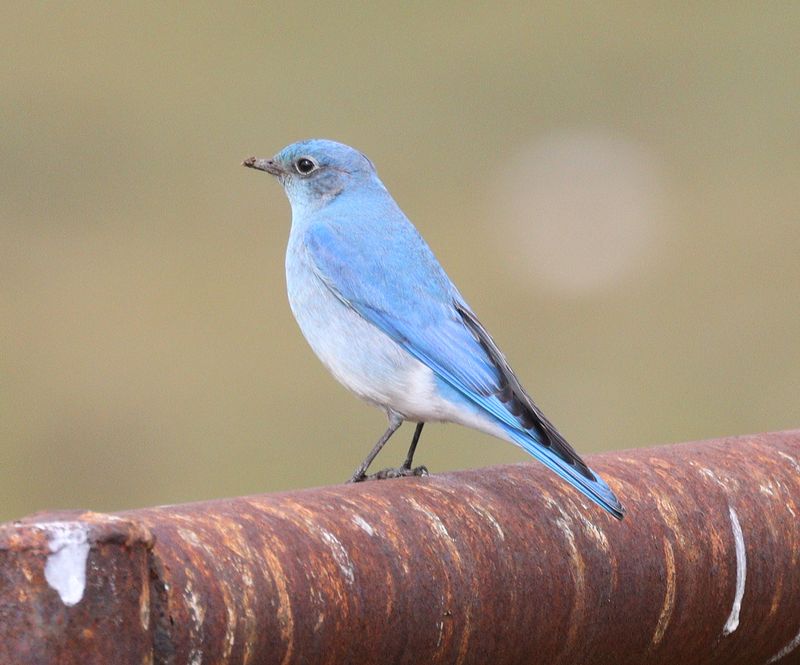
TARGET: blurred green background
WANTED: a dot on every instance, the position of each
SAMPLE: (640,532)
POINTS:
(615,188)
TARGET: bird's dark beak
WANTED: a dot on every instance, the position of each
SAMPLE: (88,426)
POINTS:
(262,164)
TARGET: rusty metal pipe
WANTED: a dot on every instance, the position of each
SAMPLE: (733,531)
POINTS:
(498,565)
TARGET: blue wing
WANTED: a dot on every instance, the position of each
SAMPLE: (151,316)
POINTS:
(399,286)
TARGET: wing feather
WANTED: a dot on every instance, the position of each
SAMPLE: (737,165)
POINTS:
(418,307)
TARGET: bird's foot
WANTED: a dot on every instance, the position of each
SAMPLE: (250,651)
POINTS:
(399,472)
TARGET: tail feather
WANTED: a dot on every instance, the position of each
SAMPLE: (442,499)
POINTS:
(597,490)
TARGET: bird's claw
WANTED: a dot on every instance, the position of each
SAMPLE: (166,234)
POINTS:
(399,472)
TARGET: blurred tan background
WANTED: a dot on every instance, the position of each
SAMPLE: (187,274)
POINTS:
(616,191)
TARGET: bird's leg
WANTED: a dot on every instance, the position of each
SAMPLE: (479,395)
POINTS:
(359,475)
(412,448)
(406,469)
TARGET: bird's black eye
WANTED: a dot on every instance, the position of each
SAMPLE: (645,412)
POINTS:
(304,166)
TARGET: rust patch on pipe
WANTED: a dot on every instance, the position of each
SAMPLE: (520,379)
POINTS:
(669,594)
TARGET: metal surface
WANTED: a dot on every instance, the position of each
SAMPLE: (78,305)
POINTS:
(47,616)
(498,565)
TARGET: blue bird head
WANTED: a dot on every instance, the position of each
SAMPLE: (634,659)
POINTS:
(315,171)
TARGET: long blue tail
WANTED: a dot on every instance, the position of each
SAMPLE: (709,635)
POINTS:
(597,490)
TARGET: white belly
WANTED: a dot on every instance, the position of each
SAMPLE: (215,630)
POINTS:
(367,361)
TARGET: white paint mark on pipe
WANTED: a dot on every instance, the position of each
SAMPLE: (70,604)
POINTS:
(65,570)
(435,521)
(197,614)
(741,573)
(786,650)
(483,512)
(363,525)
(594,531)
(708,473)
(791,459)
(339,554)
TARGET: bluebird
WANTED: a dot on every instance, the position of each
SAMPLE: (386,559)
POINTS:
(384,318)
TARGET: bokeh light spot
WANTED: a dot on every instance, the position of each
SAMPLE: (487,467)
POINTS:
(584,206)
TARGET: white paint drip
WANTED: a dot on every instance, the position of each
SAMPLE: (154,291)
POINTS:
(363,524)
(230,631)
(786,650)
(197,613)
(741,573)
(594,531)
(197,610)
(436,522)
(708,473)
(339,554)
(144,607)
(483,512)
(567,531)
(791,459)
(65,570)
